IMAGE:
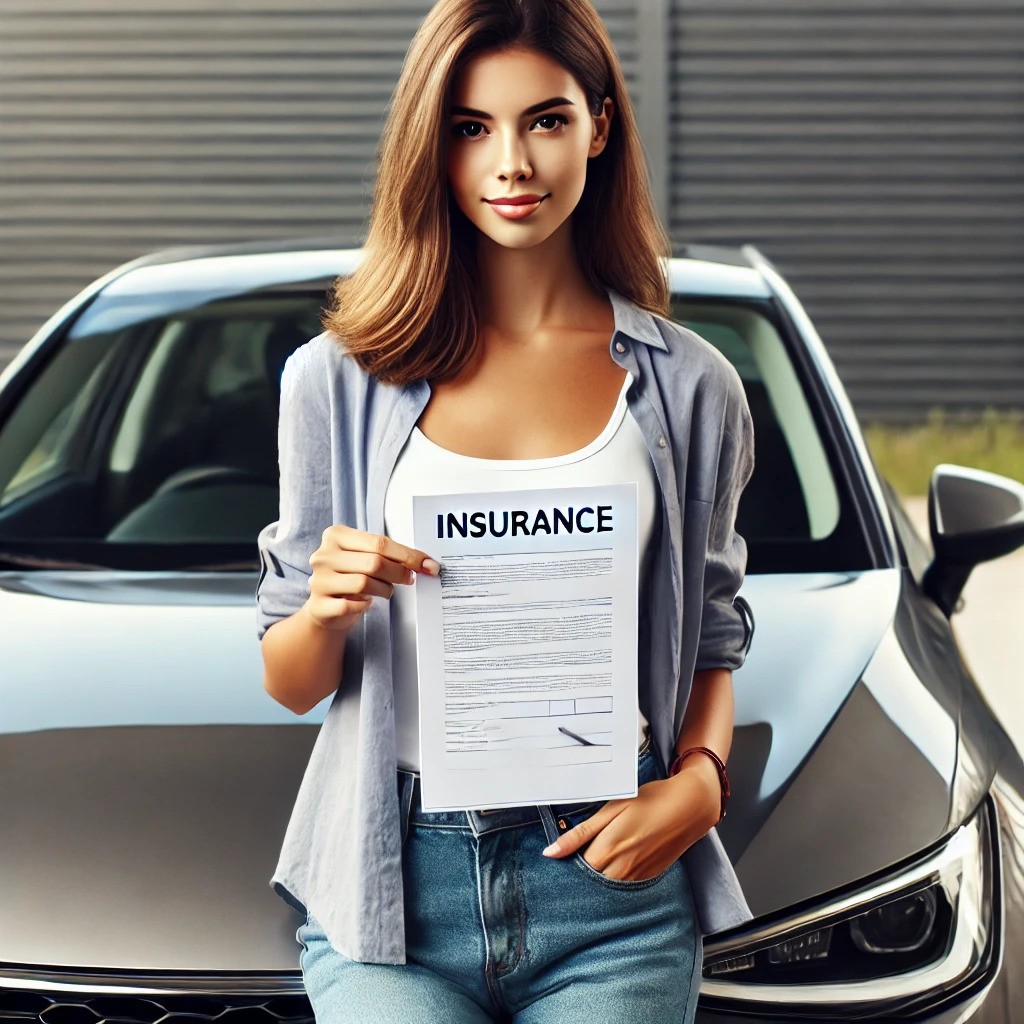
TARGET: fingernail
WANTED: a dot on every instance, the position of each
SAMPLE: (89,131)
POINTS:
(431,566)
(549,851)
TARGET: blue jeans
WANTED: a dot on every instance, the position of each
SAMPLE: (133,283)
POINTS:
(495,931)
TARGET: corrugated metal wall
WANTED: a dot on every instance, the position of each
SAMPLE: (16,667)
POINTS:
(873,150)
(130,125)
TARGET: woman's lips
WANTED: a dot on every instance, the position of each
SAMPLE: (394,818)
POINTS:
(515,211)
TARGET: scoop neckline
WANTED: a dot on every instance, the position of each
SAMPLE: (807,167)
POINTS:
(552,460)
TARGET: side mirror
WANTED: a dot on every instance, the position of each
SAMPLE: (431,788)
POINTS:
(973,516)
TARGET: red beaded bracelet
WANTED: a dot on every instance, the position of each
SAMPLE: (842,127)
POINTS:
(723,777)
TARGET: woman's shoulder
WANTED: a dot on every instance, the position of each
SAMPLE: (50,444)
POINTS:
(321,364)
(691,361)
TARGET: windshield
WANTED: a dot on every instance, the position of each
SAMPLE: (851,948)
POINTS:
(148,440)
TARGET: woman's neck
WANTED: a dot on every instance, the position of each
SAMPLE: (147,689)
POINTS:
(526,293)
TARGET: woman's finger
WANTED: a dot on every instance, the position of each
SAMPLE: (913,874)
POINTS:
(357,585)
(378,566)
(581,834)
(377,543)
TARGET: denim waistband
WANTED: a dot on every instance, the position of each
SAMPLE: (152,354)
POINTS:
(493,819)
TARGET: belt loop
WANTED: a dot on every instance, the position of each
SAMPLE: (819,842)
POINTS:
(406,783)
(547,818)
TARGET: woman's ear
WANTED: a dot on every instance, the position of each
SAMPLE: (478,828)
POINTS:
(602,125)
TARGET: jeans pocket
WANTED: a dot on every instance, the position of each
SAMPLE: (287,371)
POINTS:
(618,883)
(648,770)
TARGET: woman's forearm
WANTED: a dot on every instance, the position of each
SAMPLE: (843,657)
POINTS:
(708,722)
(710,713)
(302,661)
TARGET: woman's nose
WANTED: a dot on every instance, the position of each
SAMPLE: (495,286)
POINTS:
(514,161)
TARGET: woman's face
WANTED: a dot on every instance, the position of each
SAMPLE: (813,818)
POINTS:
(519,126)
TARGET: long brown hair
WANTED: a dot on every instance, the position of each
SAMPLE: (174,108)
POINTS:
(409,311)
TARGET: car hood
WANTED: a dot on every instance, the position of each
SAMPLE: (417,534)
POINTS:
(146,778)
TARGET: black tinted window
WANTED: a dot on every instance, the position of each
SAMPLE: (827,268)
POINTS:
(795,512)
(149,438)
(160,431)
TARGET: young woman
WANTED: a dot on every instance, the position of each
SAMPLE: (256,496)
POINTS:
(507,328)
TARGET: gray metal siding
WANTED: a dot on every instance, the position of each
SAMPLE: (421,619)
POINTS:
(127,127)
(874,152)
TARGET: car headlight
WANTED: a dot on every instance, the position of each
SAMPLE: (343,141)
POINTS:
(918,935)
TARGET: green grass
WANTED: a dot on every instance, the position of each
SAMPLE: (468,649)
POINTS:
(907,454)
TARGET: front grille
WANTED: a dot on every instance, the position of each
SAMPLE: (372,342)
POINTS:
(27,1007)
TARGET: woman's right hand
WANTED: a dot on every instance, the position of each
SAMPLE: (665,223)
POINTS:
(351,567)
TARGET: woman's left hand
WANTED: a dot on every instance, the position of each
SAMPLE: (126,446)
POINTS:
(639,837)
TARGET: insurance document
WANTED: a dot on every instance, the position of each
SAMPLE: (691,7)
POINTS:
(526,646)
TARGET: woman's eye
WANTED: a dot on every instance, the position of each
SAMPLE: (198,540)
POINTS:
(552,117)
(457,130)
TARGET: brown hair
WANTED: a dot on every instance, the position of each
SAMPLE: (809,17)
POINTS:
(409,311)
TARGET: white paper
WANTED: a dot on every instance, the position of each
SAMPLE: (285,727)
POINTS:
(522,633)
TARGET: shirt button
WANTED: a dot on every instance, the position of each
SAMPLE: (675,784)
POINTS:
(619,347)
(662,443)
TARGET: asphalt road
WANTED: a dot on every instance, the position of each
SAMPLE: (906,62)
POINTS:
(990,629)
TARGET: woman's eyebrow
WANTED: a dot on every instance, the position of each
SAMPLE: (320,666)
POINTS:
(555,101)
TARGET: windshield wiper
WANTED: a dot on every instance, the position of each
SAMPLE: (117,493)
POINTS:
(13,560)
(74,556)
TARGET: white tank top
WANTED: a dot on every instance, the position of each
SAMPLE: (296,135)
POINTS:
(618,454)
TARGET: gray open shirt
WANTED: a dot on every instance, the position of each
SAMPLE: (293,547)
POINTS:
(340,434)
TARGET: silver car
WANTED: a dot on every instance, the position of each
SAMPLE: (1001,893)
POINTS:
(877,817)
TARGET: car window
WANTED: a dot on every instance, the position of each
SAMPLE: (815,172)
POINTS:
(794,512)
(789,452)
(149,438)
(153,428)
(40,438)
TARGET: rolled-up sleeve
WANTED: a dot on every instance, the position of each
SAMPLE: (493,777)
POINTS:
(305,509)
(724,629)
